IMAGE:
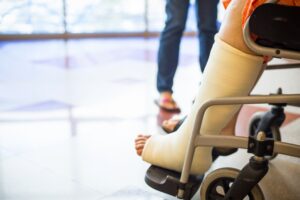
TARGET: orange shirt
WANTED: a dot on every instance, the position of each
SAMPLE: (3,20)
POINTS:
(252,4)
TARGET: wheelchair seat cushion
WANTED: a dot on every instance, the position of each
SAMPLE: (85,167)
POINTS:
(276,26)
(251,5)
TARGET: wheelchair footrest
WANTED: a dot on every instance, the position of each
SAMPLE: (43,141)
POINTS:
(167,181)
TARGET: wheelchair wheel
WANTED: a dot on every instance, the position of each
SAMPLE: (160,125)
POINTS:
(274,130)
(217,183)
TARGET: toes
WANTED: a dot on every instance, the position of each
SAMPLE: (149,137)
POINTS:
(139,149)
(139,146)
(140,139)
(140,142)
(139,152)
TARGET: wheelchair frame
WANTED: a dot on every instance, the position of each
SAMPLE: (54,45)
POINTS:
(235,141)
(258,144)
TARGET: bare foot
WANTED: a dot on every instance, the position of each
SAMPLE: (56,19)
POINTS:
(172,124)
(169,125)
(140,142)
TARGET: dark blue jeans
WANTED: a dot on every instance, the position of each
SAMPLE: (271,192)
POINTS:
(168,53)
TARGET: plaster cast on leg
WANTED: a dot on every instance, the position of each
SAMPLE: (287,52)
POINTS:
(229,72)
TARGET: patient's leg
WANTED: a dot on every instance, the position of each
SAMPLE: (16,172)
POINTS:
(232,70)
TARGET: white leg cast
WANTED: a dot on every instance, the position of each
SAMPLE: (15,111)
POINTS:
(229,72)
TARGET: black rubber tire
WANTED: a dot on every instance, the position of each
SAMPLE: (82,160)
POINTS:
(214,185)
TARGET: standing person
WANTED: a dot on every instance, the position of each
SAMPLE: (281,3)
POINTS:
(168,53)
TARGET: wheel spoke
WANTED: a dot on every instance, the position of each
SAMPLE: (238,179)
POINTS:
(226,185)
(219,183)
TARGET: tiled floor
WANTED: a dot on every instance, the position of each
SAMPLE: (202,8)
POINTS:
(69,113)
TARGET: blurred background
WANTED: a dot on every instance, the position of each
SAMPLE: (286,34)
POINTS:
(84,17)
(77,84)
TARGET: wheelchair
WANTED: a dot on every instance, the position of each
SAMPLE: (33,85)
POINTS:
(264,140)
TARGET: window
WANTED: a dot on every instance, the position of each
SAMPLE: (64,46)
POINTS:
(92,16)
(31,16)
(89,16)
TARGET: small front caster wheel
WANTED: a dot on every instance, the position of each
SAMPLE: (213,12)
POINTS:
(217,184)
(273,132)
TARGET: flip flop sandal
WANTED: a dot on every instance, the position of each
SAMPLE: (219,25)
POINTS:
(176,127)
(158,103)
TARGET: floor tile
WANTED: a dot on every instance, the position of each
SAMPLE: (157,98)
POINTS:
(23,179)
(70,110)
